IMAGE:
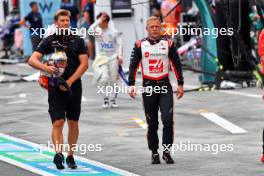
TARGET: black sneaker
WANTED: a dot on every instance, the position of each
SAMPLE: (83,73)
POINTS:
(167,157)
(70,162)
(106,103)
(113,103)
(155,158)
(58,160)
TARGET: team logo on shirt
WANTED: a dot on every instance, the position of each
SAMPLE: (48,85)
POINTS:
(155,66)
(107,45)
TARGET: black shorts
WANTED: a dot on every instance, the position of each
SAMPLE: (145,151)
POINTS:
(64,105)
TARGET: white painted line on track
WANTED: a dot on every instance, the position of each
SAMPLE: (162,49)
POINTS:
(2,78)
(22,95)
(17,102)
(37,170)
(89,99)
(25,166)
(84,99)
(231,92)
(8,96)
(241,93)
(234,129)
(32,77)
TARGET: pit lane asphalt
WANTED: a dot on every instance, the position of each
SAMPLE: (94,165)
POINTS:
(124,141)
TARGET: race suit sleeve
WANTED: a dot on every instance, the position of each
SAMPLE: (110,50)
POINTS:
(261,44)
(92,28)
(135,59)
(175,62)
(261,50)
(119,43)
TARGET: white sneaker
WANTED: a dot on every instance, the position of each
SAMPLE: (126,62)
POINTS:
(106,103)
(113,103)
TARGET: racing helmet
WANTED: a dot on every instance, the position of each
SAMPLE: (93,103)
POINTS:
(58,60)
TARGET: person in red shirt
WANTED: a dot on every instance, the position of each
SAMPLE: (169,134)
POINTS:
(174,16)
(261,50)
(261,55)
(170,16)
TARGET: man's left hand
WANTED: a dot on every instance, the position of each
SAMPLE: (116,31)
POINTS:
(179,92)
(63,88)
(120,61)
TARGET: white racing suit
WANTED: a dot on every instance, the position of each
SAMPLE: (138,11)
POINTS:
(108,48)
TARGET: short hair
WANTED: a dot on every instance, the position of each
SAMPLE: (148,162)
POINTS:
(153,18)
(62,12)
(101,13)
(31,4)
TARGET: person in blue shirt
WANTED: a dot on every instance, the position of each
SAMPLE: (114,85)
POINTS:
(67,5)
(35,20)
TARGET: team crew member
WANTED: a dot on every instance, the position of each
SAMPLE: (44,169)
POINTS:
(154,54)
(68,5)
(261,49)
(171,17)
(108,45)
(63,104)
(261,55)
(35,20)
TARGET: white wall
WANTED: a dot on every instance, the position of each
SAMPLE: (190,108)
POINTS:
(10,6)
(1,12)
(133,28)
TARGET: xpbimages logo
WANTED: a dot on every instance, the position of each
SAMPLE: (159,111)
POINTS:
(198,147)
(198,31)
(50,30)
(124,89)
(81,148)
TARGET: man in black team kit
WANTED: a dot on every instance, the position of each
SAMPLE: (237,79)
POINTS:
(63,103)
(154,54)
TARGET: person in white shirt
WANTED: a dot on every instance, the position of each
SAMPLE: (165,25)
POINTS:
(109,55)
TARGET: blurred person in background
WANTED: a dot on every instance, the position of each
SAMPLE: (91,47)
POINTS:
(155,11)
(171,17)
(89,9)
(109,52)
(67,5)
(35,20)
(87,21)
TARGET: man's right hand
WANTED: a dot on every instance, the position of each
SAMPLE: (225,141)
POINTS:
(132,91)
(51,69)
(103,17)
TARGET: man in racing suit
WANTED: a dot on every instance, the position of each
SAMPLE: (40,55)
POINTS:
(154,54)
(108,44)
